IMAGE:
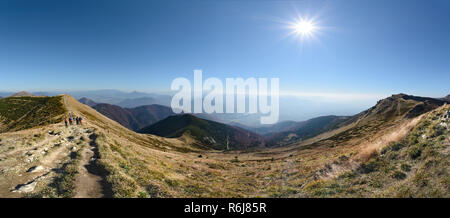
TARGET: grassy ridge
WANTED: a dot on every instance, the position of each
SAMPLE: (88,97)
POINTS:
(18,113)
(416,166)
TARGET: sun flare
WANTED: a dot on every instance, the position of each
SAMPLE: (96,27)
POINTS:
(304,28)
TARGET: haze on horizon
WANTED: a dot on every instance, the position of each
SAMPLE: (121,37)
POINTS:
(361,51)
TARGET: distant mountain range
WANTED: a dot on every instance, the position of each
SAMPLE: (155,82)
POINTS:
(385,110)
(446,98)
(291,109)
(87,102)
(22,94)
(112,96)
(401,142)
(209,128)
(134,118)
(212,134)
(135,102)
(294,131)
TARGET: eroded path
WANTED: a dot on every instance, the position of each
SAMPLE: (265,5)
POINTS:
(90,180)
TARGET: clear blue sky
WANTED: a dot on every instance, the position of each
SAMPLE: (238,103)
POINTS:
(364,46)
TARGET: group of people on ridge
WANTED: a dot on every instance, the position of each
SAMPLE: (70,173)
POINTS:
(78,120)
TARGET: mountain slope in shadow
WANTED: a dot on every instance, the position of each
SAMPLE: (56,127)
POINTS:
(134,118)
(212,134)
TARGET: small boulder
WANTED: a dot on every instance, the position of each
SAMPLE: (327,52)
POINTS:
(27,187)
(35,169)
(424,136)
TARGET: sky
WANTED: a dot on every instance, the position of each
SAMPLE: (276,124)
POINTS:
(361,48)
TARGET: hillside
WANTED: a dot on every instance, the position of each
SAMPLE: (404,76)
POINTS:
(212,134)
(134,118)
(281,126)
(17,113)
(303,130)
(416,165)
(386,151)
(387,112)
(87,102)
(22,94)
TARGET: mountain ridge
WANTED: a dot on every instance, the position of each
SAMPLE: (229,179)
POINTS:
(22,94)
(398,148)
(134,118)
(213,134)
(87,101)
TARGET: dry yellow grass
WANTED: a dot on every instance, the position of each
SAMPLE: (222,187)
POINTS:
(141,165)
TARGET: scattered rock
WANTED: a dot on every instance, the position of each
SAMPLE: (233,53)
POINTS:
(74,148)
(26,188)
(35,169)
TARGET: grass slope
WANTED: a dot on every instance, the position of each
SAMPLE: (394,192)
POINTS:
(18,113)
(415,166)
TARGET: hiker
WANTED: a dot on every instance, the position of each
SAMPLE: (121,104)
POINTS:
(65,121)
(80,119)
(76,119)
(70,120)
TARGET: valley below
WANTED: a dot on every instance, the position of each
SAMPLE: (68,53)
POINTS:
(398,148)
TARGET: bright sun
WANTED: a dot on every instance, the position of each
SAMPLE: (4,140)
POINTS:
(304,27)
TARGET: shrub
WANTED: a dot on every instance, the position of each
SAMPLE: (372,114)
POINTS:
(413,138)
(420,179)
(415,152)
(396,146)
(142,195)
(370,166)
(399,175)
(437,130)
(405,167)
(172,183)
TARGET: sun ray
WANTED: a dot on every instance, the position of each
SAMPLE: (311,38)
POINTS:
(304,28)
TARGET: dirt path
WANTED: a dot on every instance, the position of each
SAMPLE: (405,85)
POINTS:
(88,184)
(91,181)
